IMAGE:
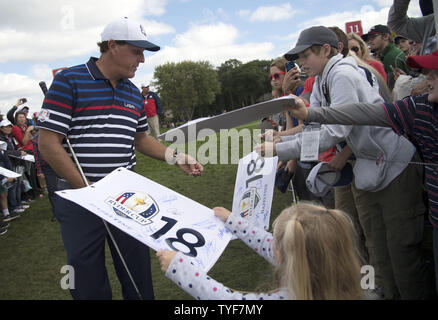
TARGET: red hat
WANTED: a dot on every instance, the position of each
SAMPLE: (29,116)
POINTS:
(428,61)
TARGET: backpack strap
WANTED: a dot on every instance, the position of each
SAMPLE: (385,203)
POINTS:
(325,89)
(368,74)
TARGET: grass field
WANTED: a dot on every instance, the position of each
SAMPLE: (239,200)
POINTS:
(32,253)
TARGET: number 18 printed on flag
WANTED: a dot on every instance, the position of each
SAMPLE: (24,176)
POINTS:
(155,215)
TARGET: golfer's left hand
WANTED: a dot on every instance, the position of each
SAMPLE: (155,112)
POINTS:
(266,149)
(189,165)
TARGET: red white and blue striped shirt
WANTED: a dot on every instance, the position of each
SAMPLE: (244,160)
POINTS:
(100,121)
(418,119)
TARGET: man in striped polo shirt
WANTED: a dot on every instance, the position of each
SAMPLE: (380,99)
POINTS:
(102,114)
(415,117)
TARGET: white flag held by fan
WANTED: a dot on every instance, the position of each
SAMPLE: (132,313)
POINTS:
(254,188)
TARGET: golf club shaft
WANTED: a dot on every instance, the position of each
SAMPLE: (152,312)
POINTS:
(104,222)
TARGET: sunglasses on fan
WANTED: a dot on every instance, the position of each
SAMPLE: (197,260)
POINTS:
(276,75)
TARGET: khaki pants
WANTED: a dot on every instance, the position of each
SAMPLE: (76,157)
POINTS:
(393,223)
(154,125)
(344,200)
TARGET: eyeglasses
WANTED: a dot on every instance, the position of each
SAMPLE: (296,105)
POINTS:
(355,49)
(276,75)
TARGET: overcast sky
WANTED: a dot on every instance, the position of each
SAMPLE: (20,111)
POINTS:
(39,36)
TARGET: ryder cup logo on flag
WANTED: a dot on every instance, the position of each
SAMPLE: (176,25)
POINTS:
(249,202)
(137,206)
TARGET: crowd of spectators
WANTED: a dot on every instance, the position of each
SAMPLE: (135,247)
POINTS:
(390,221)
(389,200)
(19,154)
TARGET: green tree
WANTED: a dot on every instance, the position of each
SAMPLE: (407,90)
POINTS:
(255,81)
(242,83)
(185,86)
(228,71)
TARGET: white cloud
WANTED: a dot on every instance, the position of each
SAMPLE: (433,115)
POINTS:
(383,3)
(42,32)
(288,42)
(52,14)
(367,14)
(41,71)
(47,46)
(14,86)
(66,29)
(289,37)
(269,13)
(368,18)
(215,43)
(154,28)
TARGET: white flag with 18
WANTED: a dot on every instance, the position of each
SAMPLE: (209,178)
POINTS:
(155,215)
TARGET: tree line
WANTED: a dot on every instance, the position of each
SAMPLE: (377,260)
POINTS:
(196,89)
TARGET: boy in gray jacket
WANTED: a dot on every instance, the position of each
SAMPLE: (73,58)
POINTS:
(416,117)
(386,190)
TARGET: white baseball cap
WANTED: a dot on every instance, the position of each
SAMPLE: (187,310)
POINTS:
(5,123)
(129,31)
(321,178)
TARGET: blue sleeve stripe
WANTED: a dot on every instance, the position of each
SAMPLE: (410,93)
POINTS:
(86,81)
(62,84)
(93,90)
(73,74)
(91,99)
(58,93)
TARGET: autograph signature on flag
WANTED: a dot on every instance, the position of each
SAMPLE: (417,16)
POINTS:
(155,215)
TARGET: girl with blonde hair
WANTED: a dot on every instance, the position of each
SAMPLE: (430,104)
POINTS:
(313,249)
(360,48)
(380,84)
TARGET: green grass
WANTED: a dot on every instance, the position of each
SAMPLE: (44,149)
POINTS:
(32,253)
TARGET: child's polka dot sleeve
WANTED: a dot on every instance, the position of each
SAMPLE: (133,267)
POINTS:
(256,238)
(199,285)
